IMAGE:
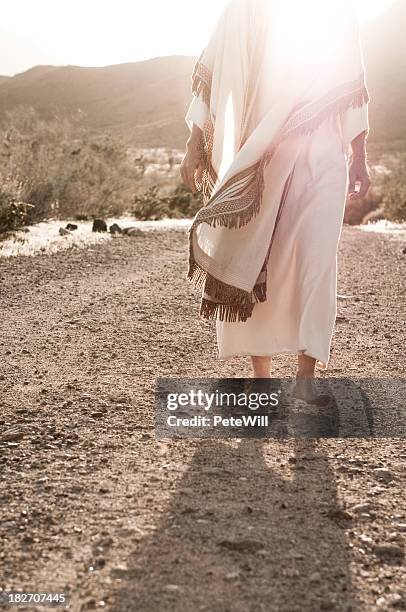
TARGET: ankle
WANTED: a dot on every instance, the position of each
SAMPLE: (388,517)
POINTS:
(305,366)
(303,374)
(262,374)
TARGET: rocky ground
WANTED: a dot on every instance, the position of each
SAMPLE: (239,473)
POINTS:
(93,505)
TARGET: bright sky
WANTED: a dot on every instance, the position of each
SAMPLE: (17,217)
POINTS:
(103,32)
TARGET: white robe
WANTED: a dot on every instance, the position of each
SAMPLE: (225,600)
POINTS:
(300,310)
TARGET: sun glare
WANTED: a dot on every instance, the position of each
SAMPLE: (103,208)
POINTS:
(309,32)
(372,8)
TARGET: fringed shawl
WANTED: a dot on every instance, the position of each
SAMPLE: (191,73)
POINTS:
(261,90)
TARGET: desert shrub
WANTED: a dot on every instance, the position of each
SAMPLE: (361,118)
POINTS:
(95,182)
(394,198)
(180,203)
(59,170)
(386,182)
(13,211)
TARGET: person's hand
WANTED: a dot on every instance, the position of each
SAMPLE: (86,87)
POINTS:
(192,166)
(359,176)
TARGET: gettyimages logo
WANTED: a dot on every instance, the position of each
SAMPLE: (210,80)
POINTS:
(237,407)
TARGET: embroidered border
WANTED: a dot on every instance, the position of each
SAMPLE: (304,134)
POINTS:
(240,198)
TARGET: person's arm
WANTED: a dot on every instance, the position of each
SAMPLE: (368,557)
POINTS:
(359,175)
(192,167)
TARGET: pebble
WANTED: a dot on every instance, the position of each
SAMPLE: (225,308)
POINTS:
(315,577)
(119,571)
(172,588)
(360,508)
(327,604)
(12,435)
(339,515)
(263,553)
(242,545)
(383,474)
(388,551)
(64,232)
(133,231)
(391,600)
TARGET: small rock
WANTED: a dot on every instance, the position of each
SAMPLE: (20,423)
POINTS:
(232,576)
(99,225)
(263,553)
(392,600)
(315,577)
(361,508)
(290,572)
(327,604)
(241,545)
(401,527)
(12,435)
(115,229)
(172,588)
(97,414)
(120,571)
(383,475)
(365,539)
(104,542)
(133,231)
(64,232)
(388,551)
(71,227)
(340,516)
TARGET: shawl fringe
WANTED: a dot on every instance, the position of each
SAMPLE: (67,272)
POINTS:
(201,80)
(226,302)
(240,198)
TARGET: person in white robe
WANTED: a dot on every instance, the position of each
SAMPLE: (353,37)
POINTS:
(265,250)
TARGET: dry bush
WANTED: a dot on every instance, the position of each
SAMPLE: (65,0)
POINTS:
(58,170)
(180,203)
(394,199)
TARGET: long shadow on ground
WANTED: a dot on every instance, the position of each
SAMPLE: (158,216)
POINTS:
(238,536)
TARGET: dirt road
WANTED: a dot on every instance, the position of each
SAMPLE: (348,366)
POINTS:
(94,506)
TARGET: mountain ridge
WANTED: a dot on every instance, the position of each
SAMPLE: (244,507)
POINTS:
(145,102)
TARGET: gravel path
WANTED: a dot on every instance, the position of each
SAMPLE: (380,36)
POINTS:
(93,505)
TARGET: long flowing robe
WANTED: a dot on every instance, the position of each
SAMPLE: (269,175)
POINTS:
(276,124)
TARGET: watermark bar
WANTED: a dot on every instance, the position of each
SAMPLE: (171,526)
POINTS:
(278,408)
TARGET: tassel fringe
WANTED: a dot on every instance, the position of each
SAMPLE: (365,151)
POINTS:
(201,80)
(240,198)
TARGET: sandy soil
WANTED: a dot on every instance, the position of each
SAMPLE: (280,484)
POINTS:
(93,505)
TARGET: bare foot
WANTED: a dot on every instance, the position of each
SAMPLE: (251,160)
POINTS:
(305,389)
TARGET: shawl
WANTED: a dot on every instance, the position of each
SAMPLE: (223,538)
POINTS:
(269,75)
